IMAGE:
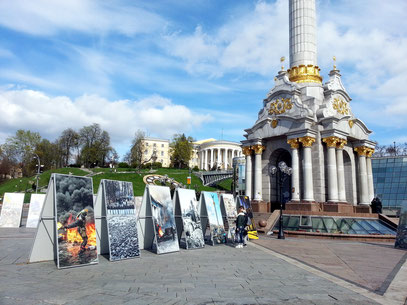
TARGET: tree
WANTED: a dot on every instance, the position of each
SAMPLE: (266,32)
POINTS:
(49,153)
(181,150)
(95,145)
(135,155)
(20,148)
(68,141)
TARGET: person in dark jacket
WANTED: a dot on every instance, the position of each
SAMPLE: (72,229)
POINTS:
(241,221)
(376,205)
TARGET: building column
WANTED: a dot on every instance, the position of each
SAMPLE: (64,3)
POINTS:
(247,151)
(307,167)
(225,159)
(206,160)
(211,162)
(363,184)
(332,169)
(341,170)
(295,165)
(258,150)
(370,185)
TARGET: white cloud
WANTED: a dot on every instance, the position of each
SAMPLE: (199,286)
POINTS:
(47,17)
(33,110)
(250,42)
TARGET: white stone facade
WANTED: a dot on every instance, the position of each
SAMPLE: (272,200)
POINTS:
(161,148)
(215,154)
(311,127)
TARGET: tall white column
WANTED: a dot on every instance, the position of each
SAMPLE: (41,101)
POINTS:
(258,150)
(370,185)
(307,168)
(225,158)
(341,171)
(363,184)
(303,38)
(206,159)
(211,162)
(248,153)
(295,165)
(332,169)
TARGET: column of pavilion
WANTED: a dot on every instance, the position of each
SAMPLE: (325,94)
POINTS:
(208,157)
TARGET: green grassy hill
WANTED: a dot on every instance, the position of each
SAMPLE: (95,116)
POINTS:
(123,174)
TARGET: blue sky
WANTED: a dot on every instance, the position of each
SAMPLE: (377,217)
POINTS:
(200,67)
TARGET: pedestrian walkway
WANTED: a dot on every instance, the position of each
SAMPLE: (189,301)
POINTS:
(213,275)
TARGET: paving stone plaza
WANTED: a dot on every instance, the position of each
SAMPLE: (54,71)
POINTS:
(261,273)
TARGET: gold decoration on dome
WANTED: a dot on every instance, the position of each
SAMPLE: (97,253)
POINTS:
(274,123)
(341,143)
(362,150)
(282,63)
(351,123)
(247,150)
(340,106)
(307,141)
(293,143)
(258,149)
(305,74)
(331,141)
(280,106)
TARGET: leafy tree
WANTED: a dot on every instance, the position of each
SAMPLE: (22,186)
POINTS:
(181,150)
(20,148)
(135,155)
(68,141)
(49,153)
(95,145)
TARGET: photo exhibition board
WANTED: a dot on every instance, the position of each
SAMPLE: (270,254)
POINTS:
(189,209)
(10,216)
(217,233)
(401,237)
(162,209)
(75,222)
(121,219)
(34,212)
(229,212)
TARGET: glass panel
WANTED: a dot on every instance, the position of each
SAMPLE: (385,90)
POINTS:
(330,225)
(318,225)
(365,225)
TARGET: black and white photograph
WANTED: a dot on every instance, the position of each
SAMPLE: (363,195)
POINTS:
(162,209)
(121,220)
(191,219)
(75,221)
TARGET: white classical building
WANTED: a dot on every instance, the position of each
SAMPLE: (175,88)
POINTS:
(210,154)
(310,126)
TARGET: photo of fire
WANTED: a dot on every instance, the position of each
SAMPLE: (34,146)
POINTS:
(163,219)
(75,221)
(217,229)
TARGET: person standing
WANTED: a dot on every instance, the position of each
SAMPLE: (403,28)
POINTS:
(240,226)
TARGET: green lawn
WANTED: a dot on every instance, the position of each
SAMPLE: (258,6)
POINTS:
(180,175)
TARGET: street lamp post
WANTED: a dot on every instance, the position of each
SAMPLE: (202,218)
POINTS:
(286,171)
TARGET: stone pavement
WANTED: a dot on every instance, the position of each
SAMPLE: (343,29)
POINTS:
(213,275)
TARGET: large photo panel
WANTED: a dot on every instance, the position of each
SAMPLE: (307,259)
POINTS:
(162,209)
(215,217)
(121,218)
(34,212)
(10,216)
(191,219)
(75,221)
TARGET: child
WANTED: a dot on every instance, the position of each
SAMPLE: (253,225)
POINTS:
(240,226)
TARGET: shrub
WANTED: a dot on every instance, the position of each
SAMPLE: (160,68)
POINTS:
(195,169)
(123,165)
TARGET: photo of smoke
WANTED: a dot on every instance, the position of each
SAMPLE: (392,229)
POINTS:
(75,221)
(34,212)
(217,228)
(121,217)
(191,219)
(11,211)
(162,209)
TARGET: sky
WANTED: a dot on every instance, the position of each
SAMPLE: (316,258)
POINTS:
(199,67)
